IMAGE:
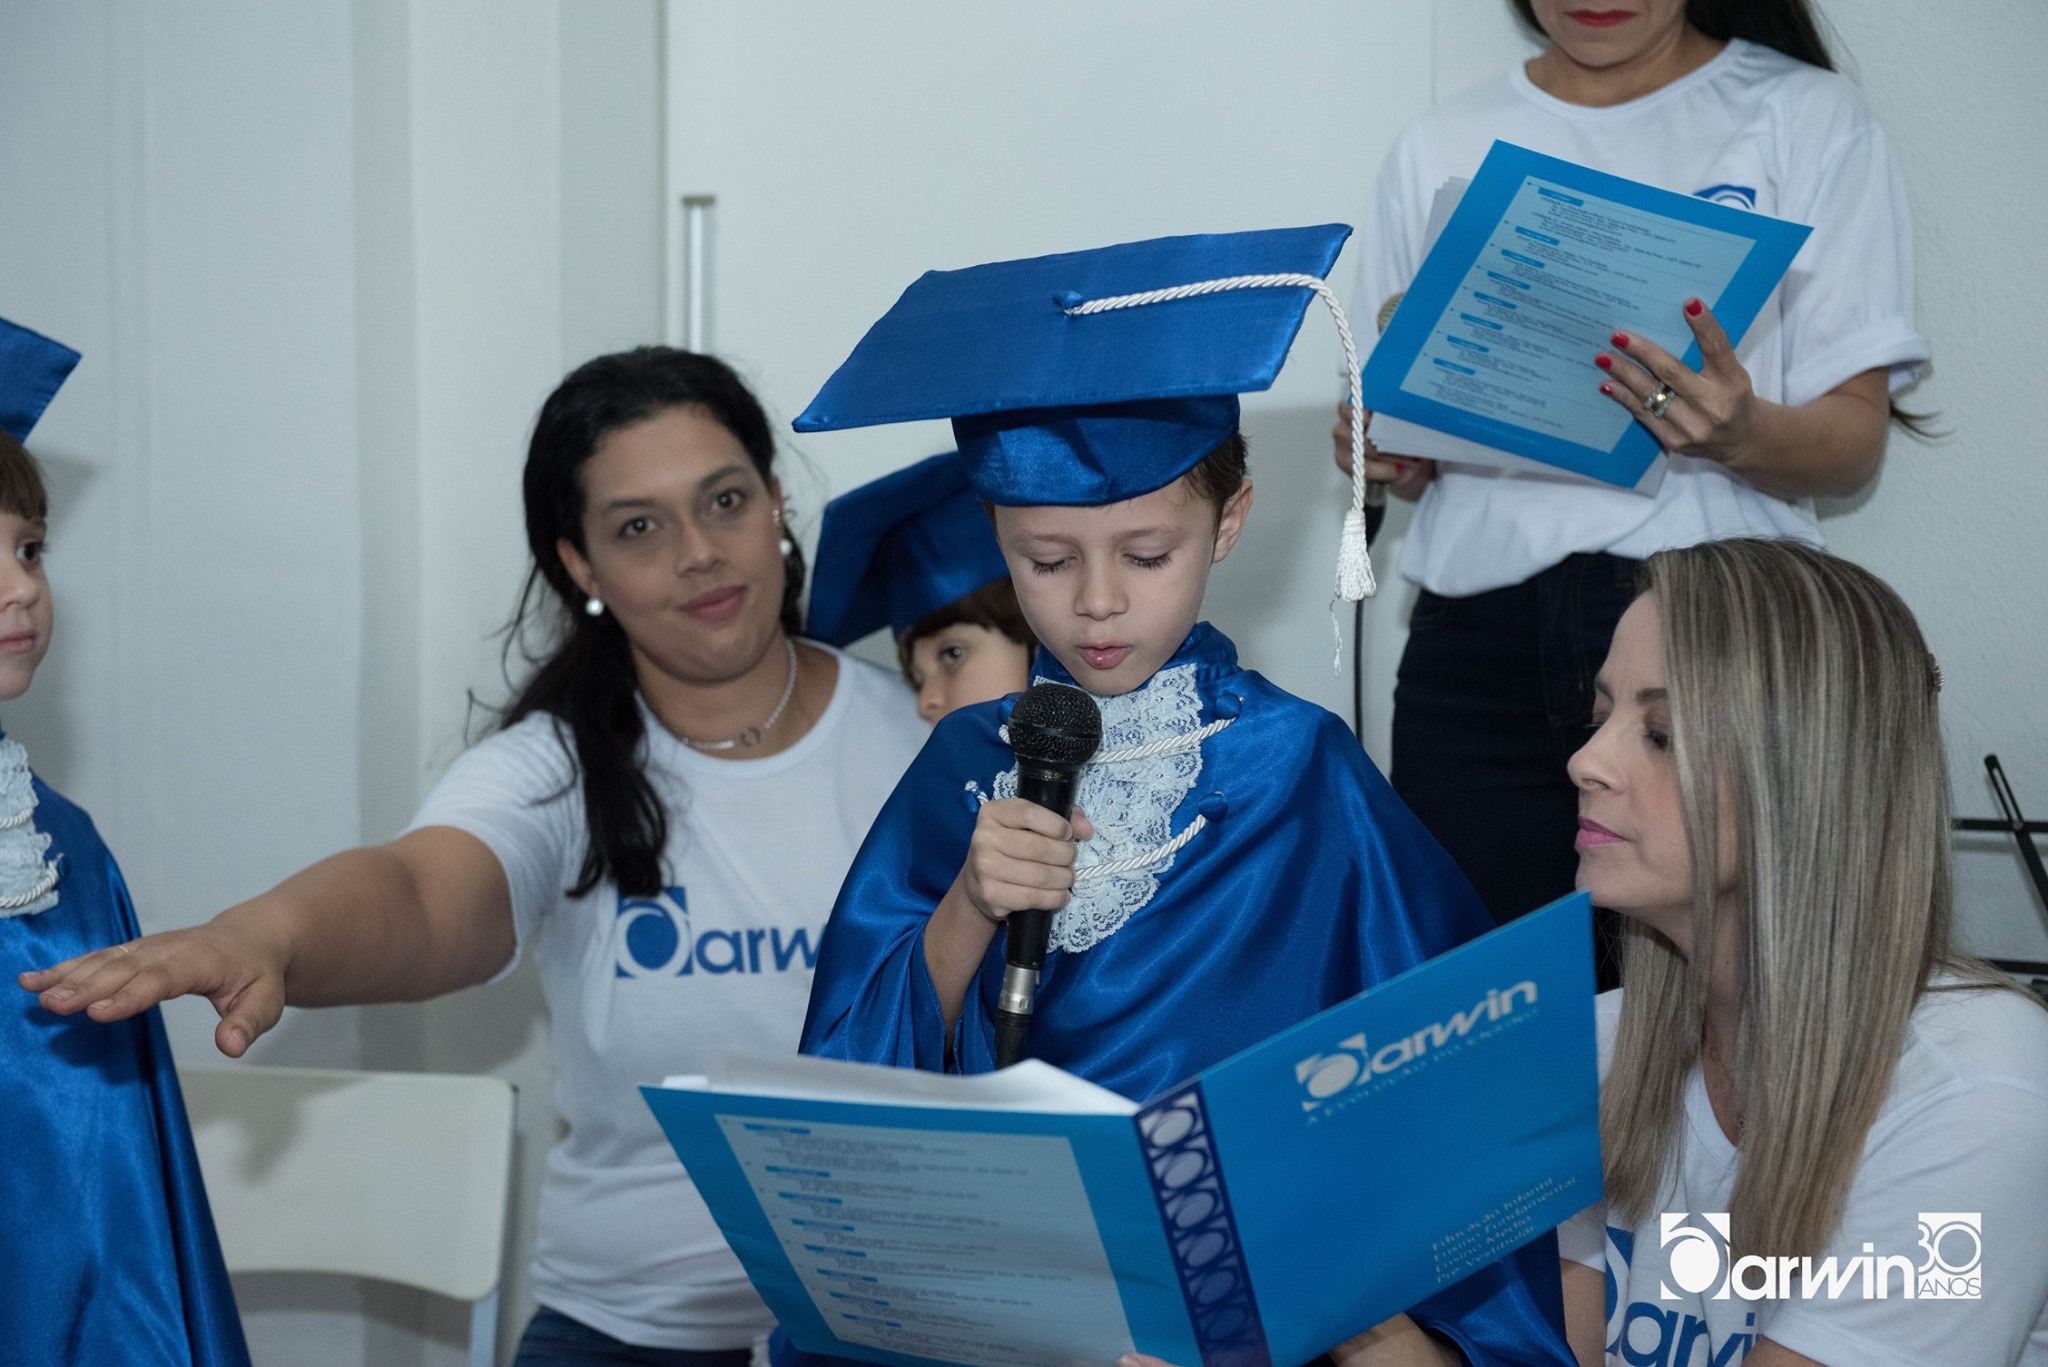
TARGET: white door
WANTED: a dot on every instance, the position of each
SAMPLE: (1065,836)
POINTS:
(851,147)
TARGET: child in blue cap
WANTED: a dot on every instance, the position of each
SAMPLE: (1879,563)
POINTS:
(1240,863)
(110,1253)
(915,551)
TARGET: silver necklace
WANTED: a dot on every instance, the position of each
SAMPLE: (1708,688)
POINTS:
(749,738)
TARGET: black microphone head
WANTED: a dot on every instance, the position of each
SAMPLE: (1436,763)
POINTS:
(1055,724)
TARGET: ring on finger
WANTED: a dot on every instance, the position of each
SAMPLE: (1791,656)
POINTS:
(124,949)
(1659,401)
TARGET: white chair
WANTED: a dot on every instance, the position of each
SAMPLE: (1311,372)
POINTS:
(403,1177)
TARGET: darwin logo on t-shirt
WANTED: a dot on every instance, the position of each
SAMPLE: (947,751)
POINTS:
(652,938)
(1735,196)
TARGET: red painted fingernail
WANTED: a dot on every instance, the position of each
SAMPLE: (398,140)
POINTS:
(1608,390)
(1620,339)
(1693,307)
(1604,361)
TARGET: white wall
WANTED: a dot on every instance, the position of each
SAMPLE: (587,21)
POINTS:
(325,259)
(1957,526)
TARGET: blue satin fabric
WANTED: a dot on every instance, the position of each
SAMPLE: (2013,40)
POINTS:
(1102,407)
(1311,883)
(109,1253)
(32,369)
(1087,457)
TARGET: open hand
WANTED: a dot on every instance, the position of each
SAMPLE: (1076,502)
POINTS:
(1711,412)
(234,968)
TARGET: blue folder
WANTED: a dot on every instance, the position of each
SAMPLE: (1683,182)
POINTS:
(1274,1205)
(1540,263)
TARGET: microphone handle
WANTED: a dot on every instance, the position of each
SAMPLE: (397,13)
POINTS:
(1029,931)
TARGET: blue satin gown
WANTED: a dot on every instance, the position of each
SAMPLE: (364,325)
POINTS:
(1308,882)
(108,1254)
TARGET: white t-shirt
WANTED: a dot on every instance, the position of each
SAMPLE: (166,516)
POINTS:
(1752,128)
(639,990)
(1959,1149)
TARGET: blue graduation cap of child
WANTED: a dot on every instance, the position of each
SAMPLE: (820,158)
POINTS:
(1249,867)
(110,1253)
(899,548)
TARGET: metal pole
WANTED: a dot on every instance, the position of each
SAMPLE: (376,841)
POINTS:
(696,270)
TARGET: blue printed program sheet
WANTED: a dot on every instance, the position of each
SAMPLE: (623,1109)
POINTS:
(1259,1213)
(1541,263)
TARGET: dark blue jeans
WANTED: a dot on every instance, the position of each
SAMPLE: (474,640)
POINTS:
(553,1339)
(1494,694)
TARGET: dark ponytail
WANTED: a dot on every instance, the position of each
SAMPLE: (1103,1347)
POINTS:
(586,682)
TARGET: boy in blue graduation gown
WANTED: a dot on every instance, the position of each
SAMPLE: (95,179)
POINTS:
(108,1253)
(914,552)
(1241,865)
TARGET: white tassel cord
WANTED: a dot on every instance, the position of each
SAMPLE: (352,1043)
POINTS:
(1354,561)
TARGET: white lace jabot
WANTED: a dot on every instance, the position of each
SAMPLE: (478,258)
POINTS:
(28,882)
(1131,799)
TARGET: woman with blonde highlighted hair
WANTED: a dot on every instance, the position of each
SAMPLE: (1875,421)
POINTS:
(1825,1128)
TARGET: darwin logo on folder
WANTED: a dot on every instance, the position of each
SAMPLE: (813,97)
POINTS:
(1262,1211)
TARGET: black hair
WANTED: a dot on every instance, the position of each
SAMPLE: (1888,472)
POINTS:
(1221,473)
(587,682)
(1789,26)
(21,482)
(994,605)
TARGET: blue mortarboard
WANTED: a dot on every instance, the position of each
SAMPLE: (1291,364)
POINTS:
(1057,400)
(32,369)
(899,547)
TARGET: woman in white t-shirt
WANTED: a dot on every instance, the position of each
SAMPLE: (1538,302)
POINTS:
(1825,1131)
(1523,577)
(663,819)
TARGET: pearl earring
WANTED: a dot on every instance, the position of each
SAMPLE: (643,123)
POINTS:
(593,607)
(788,547)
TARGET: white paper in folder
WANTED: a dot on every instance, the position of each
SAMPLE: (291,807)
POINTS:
(1396,437)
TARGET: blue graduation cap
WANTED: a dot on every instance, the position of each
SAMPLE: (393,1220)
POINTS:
(899,547)
(1093,377)
(32,369)
(1087,377)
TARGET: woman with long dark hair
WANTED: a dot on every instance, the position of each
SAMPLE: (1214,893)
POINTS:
(663,817)
(1523,577)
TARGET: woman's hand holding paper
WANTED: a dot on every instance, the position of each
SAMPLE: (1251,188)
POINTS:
(1828,446)
(1709,413)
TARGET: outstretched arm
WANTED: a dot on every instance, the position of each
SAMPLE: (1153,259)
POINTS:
(425,914)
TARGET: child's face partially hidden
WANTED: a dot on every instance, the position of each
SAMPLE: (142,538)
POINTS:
(966,663)
(1113,591)
(25,609)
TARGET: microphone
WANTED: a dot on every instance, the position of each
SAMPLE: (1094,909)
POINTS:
(1054,730)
